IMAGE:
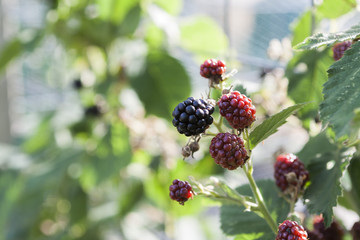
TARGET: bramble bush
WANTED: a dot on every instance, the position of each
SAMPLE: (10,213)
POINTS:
(111,152)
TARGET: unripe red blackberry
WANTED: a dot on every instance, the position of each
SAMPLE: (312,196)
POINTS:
(237,109)
(192,116)
(286,164)
(355,231)
(228,150)
(213,69)
(340,48)
(180,191)
(291,230)
(334,232)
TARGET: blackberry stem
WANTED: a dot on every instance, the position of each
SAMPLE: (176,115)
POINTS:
(248,169)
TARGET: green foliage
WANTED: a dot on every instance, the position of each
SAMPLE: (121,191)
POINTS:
(306,72)
(335,8)
(236,221)
(326,164)
(201,35)
(354,174)
(322,39)
(341,92)
(270,125)
(162,85)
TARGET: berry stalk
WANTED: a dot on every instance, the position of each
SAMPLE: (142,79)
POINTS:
(248,169)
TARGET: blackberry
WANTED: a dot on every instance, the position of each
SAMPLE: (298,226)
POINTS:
(334,232)
(286,164)
(340,48)
(355,231)
(237,109)
(213,69)
(192,116)
(291,230)
(228,150)
(180,191)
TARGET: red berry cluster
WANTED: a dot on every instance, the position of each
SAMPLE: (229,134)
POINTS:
(286,164)
(228,150)
(334,232)
(237,109)
(180,191)
(340,48)
(212,68)
(291,230)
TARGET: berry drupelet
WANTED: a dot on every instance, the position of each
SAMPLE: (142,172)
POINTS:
(291,230)
(192,116)
(286,164)
(340,48)
(180,191)
(228,150)
(213,69)
(237,109)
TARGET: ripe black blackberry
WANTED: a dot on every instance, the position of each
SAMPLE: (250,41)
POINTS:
(213,69)
(286,164)
(340,48)
(237,109)
(228,150)
(291,230)
(355,231)
(180,191)
(192,116)
(334,232)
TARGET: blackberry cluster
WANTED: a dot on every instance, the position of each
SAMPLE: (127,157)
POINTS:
(355,231)
(334,232)
(237,109)
(180,191)
(340,48)
(213,68)
(228,150)
(291,230)
(288,163)
(192,116)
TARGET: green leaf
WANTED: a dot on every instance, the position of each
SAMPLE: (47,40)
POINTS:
(341,92)
(131,21)
(307,74)
(235,221)
(335,8)
(115,10)
(302,27)
(270,125)
(316,146)
(162,85)
(322,194)
(203,36)
(326,164)
(354,172)
(173,7)
(322,39)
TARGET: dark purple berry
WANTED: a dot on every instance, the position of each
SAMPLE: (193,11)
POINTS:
(237,109)
(93,111)
(228,150)
(355,231)
(291,230)
(180,191)
(193,116)
(340,48)
(286,164)
(334,232)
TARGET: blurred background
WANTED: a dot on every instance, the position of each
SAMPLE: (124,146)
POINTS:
(87,87)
